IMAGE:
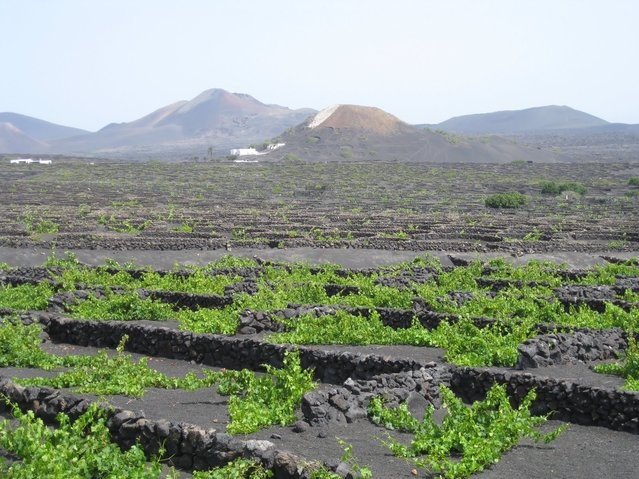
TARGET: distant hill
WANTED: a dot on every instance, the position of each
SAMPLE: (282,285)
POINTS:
(14,140)
(544,118)
(39,129)
(215,118)
(358,133)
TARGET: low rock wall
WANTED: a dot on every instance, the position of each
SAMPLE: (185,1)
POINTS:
(348,403)
(579,346)
(186,446)
(191,301)
(593,406)
(217,350)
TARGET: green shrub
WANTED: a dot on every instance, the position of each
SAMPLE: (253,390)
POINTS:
(627,368)
(25,296)
(127,306)
(117,374)
(257,402)
(79,449)
(20,346)
(291,157)
(554,188)
(633,181)
(510,199)
(469,438)
(240,468)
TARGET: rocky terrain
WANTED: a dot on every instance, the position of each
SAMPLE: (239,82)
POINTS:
(418,250)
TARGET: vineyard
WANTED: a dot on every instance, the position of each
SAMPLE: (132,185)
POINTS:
(318,320)
(250,364)
(110,205)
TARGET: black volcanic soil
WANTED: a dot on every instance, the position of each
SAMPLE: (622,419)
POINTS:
(359,214)
(580,452)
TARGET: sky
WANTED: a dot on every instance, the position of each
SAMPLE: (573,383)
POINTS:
(89,63)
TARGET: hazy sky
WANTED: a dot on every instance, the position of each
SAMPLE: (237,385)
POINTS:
(87,63)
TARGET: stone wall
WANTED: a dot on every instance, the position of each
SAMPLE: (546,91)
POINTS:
(582,345)
(186,446)
(216,350)
(594,406)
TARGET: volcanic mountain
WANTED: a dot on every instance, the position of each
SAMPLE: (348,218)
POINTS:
(216,118)
(39,130)
(352,132)
(543,118)
(14,140)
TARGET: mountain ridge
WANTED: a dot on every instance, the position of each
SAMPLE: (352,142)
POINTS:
(40,130)
(215,118)
(542,118)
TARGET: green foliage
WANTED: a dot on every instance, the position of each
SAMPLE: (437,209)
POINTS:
(198,280)
(35,224)
(126,306)
(532,235)
(534,270)
(184,227)
(291,157)
(118,374)
(240,234)
(205,320)
(525,304)
(554,188)
(627,368)
(25,296)
(123,225)
(346,328)
(240,468)
(79,450)
(82,276)
(69,260)
(469,345)
(511,199)
(633,181)
(469,438)
(630,295)
(20,346)
(607,273)
(272,398)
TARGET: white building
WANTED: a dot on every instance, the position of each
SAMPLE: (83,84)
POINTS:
(254,152)
(245,152)
(28,161)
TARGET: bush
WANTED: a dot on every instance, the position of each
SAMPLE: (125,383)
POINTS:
(511,199)
(554,188)
(633,181)
(291,157)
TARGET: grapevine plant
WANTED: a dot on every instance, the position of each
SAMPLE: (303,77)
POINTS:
(82,449)
(469,439)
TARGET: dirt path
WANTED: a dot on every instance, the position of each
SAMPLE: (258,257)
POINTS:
(350,258)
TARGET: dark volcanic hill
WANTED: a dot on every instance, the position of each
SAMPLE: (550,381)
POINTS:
(351,132)
(216,118)
(544,118)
